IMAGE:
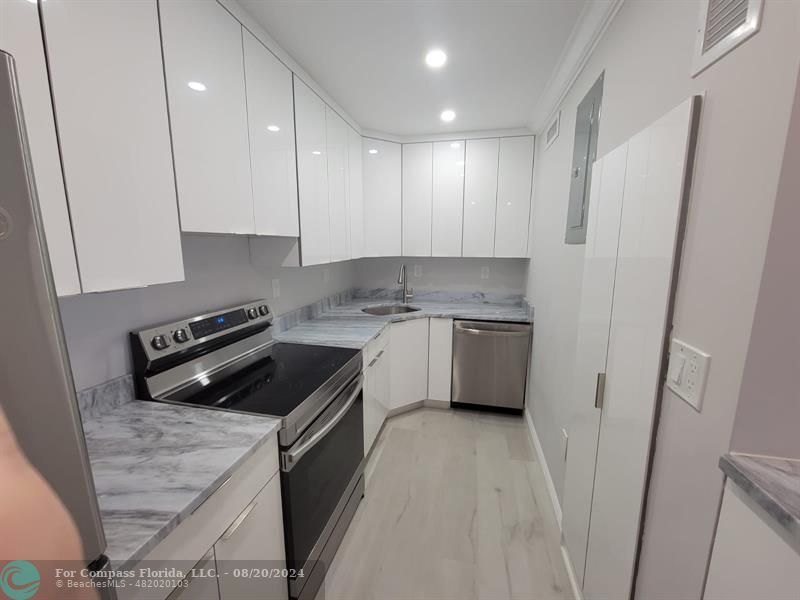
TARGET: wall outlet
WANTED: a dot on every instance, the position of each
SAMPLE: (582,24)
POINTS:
(564,443)
(276,288)
(687,372)
(326,275)
(417,270)
(484,272)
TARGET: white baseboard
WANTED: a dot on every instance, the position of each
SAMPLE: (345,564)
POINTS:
(548,480)
(573,580)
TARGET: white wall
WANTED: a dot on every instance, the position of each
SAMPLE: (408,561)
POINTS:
(506,275)
(219,273)
(646,54)
(769,412)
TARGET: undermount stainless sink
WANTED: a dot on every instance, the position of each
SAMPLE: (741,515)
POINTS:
(389,309)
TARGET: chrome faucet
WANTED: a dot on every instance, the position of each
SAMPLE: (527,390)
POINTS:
(408,294)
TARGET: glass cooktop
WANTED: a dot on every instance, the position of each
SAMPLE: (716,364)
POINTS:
(277,384)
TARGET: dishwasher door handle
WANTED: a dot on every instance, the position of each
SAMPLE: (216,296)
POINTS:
(489,333)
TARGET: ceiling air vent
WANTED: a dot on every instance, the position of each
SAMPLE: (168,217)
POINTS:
(552,130)
(724,24)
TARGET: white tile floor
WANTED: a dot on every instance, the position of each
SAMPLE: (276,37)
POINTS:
(455,507)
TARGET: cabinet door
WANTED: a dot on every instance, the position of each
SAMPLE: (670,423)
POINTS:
(514,180)
(440,359)
(417,197)
(355,186)
(382,198)
(204,64)
(312,176)
(480,196)
(409,362)
(199,588)
(270,117)
(114,140)
(376,391)
(21,36)
(254,540)
(448,198)
(338,205)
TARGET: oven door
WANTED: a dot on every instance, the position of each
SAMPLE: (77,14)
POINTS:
(319,473)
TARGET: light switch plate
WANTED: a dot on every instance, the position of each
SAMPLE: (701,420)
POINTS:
(417,270)
(687,372)
(484,272)
(326,275)
(276,288)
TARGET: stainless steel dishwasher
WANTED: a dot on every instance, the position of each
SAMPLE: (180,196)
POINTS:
(490,364)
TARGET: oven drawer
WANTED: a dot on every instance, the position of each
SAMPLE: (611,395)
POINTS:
(317,471)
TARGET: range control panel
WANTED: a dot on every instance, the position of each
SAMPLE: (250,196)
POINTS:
(174,337)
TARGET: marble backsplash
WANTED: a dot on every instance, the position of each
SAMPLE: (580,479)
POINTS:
(105,396)
(117,391)
(431,295)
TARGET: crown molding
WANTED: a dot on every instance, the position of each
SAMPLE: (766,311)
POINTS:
(446,137)
(592,23)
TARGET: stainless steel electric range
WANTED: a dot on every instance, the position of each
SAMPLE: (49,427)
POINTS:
(227,360)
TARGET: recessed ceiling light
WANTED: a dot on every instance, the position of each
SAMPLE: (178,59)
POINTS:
(316,152)
(197,86)
(455,145)
(447,115)
(372,151)
(273,128)
(436,58)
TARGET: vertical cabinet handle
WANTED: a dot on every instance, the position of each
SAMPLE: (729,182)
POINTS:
(600,391)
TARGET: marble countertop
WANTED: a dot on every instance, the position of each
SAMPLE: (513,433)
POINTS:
(154,463)
(774,483)
(347,326)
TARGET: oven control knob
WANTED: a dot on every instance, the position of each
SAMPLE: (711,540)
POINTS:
(180,336)
(263,310)
(159,342)
(252,313)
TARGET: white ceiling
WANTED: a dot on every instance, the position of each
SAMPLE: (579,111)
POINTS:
(369,57)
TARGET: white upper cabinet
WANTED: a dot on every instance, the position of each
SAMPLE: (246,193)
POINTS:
(382,198)
(208,113)
(312,176)
(417,197)
(21,36)
(514,181)
(480,197)
(270,116)
(338,208)
(114,136)
(355,186)
(448,198)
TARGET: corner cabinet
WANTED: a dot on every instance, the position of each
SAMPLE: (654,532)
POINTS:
(409,363)
(417,198)
(204,66)
(270,117)
(114,140)
(480,197)
(338,192)
(382,166)
(355,186)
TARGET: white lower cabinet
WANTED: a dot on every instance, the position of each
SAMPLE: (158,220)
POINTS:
(254,541)
(240,525)
(199,586)
(753,556)
(440,359)
(377,359)
(409,363)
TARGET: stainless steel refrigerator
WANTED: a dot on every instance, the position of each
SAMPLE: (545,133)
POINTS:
(36,388)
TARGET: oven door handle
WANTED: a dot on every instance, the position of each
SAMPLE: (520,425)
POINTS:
(291,458)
